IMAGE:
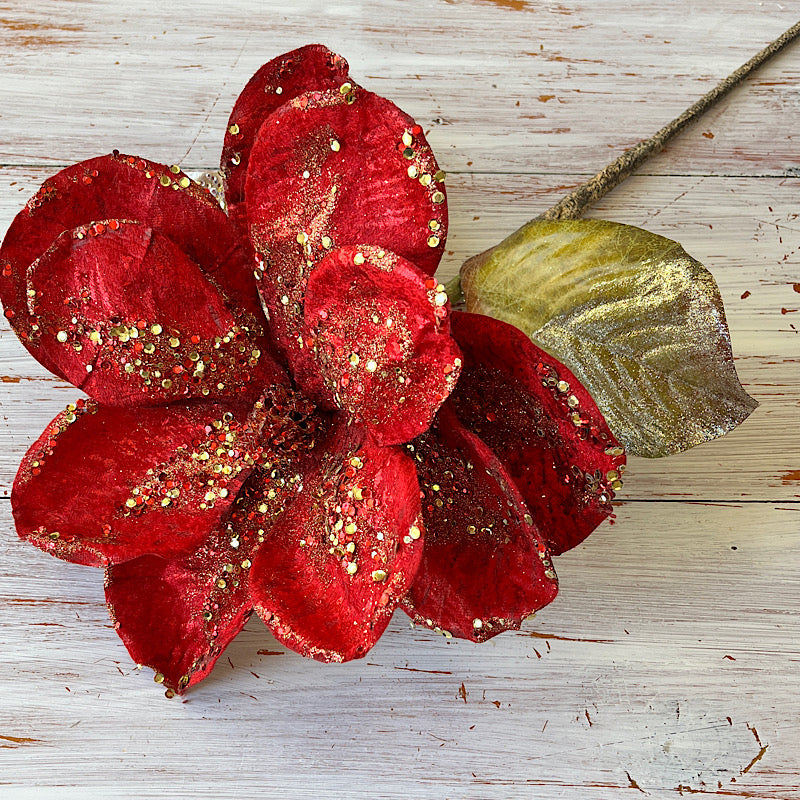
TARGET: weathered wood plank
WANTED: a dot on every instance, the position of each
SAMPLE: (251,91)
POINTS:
(759,461)
(744,230)
(505,86)
(623,675)
(724,222)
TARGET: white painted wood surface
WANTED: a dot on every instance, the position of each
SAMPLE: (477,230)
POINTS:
(670,663)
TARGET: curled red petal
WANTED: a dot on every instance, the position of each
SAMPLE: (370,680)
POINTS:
(379,338)
(177,615)
(543,426)
(285,77)
(116,188)
(485,567)
(337,168)
(334,567)
(110,321)
(106,484)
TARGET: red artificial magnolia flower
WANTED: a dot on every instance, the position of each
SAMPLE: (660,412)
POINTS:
(292,464)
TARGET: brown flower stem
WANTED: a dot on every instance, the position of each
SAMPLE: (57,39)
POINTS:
(575,204)
(579,199)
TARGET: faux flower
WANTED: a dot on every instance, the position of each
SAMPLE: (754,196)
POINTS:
(284,415)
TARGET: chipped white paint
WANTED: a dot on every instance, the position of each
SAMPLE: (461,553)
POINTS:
(669,664)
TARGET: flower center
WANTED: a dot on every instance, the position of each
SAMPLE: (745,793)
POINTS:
(289,419)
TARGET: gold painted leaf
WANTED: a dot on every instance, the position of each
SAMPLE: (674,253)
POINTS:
(636,319)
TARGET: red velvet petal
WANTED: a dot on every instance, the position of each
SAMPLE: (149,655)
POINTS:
(485,567)
(380,334)
(330,169)
(109,319)
(107,484)
(283,78)
(177,615)
(332,570)
(119,187)
(543,426)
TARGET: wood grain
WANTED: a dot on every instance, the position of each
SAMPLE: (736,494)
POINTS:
(669,664)
(748,247)
(622,675)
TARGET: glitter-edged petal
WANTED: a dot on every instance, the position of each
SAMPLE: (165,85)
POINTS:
(338,168)
(335,565)
(280,80)
(108,319)
(176,615)
(117,188)
(379,338)
(543,426)
(485,567)
(106,484)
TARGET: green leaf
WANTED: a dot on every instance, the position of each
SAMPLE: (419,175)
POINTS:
(636,319)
